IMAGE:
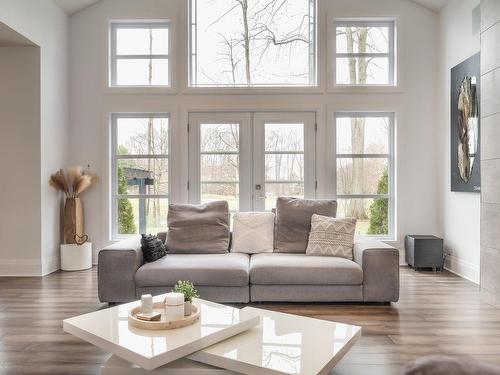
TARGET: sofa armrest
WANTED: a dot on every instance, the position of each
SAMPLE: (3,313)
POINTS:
(116,270)
(380,264)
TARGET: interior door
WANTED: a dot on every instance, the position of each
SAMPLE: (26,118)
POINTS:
(283,157)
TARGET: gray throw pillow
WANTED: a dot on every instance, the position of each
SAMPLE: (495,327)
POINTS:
(202,229)
(293,222)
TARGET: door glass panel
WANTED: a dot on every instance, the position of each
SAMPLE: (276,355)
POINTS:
(284,137)
(285,167)
(221,192)
(283,161)
(275,190)
(219,138)
(219,163)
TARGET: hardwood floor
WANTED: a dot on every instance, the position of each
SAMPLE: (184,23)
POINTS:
(437,314)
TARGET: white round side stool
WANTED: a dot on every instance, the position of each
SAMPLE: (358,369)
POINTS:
(76,257)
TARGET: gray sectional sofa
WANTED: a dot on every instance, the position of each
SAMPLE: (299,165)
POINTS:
(372,275)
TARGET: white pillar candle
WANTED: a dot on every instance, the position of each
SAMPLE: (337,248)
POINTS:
(146,303)
(174,306)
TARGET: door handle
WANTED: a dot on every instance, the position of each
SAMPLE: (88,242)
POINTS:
(259,192)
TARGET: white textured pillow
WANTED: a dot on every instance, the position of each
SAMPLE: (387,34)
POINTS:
(253,232)
(331,236)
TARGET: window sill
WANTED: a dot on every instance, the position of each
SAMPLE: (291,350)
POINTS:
(150,90)
(295,90)
(386,239)
(365,89)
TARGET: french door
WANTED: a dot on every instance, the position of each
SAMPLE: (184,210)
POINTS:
(251,158)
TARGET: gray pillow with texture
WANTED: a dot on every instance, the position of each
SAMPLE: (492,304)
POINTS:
(293,222)
(202,229)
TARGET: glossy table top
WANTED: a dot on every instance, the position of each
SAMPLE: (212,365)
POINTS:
(282,344)
(109,330)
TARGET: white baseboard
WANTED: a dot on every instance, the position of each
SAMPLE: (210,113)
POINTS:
(462,268)
(17,267)
(28,267)
(50,264)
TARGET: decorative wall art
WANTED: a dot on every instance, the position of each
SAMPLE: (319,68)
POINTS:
(465,129)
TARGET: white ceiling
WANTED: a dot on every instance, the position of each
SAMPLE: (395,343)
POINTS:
(72,6)
(435,5)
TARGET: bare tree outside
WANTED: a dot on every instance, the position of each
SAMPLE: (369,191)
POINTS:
(355,174)
(253,43)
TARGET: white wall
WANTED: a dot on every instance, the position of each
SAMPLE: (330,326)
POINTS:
(414,101)
(459,39)
(19,164)
(43,23)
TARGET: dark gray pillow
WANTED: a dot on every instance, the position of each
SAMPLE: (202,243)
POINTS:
(293,222)
(202,229)
(152,247)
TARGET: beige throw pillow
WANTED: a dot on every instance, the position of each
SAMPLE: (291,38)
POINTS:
(331,236)
(253,232)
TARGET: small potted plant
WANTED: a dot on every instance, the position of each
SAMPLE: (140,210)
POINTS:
(187,288)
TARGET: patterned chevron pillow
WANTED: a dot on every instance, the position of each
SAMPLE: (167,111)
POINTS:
(331,236)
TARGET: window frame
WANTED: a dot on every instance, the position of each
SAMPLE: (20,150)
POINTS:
(314,77)
(391,159)
(114,157)
(390,54)
(114,25)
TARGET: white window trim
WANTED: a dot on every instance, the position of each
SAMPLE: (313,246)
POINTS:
(398,34)
(114,25)
(315,86)
(390,24)
(391,236)
(250,173)
(113,192)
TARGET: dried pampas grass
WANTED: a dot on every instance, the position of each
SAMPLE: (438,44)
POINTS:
(74,174)
(58,182)
(76,182)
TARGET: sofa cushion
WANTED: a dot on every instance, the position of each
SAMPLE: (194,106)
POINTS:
(202,229)
(300,269)
(293,222)
(229,269)
(253,232)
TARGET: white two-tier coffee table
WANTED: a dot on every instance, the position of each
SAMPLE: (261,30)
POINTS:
(225,341)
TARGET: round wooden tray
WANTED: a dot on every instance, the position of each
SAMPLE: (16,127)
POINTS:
(162,323)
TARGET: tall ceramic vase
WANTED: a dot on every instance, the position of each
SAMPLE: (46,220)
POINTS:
(73,219)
